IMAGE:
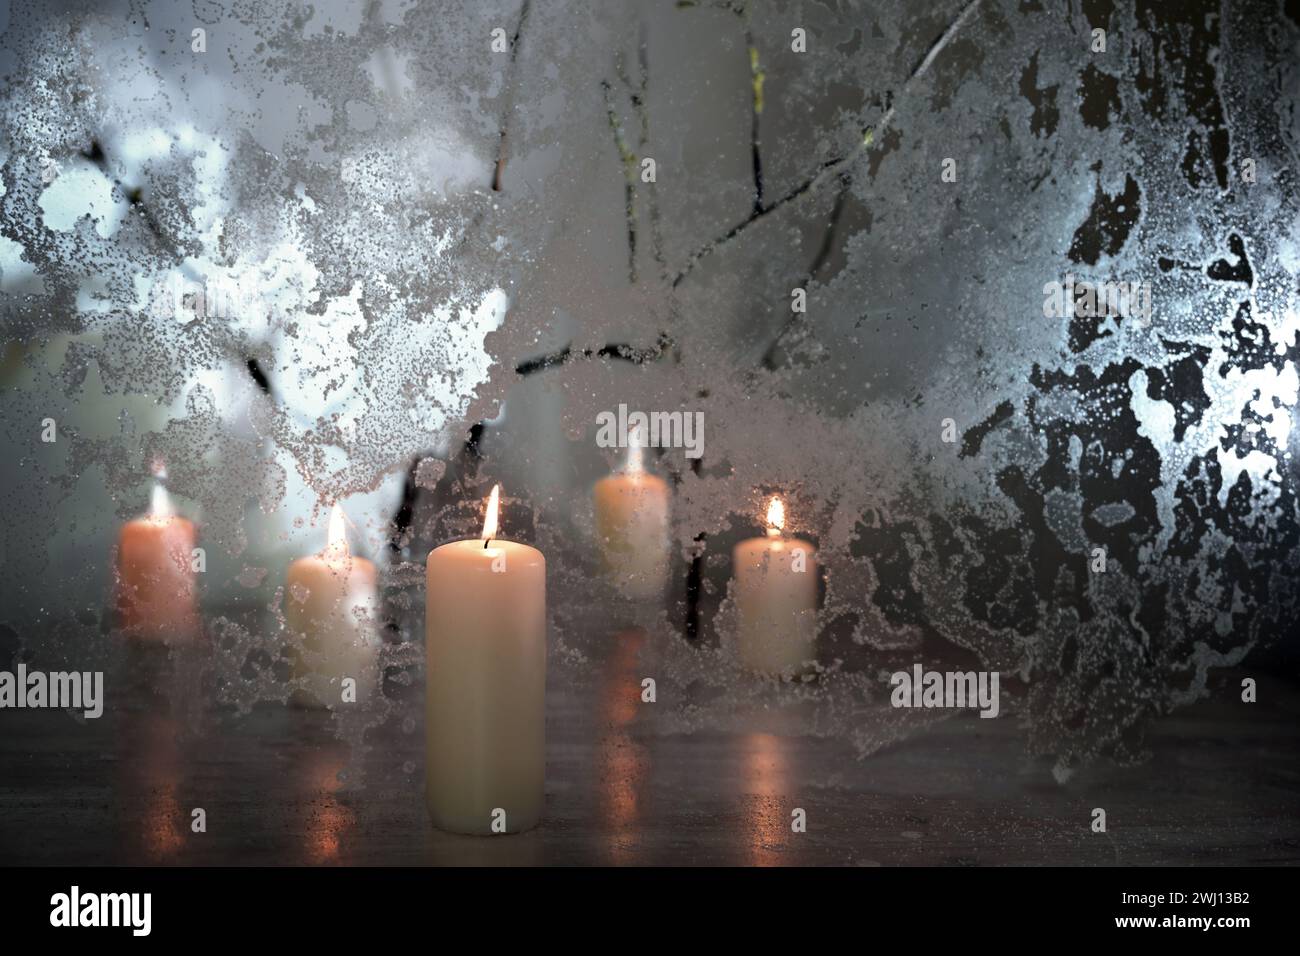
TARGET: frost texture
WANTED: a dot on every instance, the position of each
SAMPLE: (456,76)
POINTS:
(299,266)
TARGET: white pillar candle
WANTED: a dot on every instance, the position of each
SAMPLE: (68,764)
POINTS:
(776,599)
(485,708)
(330,605)
(632,527)
(155,573)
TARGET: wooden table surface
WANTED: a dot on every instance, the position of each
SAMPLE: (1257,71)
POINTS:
(1222,786)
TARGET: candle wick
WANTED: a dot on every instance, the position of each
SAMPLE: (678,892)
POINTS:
(486,542)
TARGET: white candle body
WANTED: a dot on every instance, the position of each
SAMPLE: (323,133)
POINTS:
(632,528)
(330,604)
(776,604)
(485,707)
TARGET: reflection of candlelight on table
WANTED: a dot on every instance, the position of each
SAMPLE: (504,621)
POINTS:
(164,819)
(776,599)
(622,762)
(149,762)
(768,822)
(328,819)
(155,574)
(329,604)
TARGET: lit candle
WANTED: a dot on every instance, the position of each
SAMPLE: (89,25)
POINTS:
(485,704)
(155,572)
(632,526)
(776,599)
(330,603)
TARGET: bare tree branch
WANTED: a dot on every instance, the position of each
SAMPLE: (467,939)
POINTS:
(628,159)
(819,261)
(637,92)
(836,167)
(509,107)
(756,78)
(621,351)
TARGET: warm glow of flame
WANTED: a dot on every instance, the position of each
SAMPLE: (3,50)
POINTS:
(160,504)
(775,516)
(490,519)
(635,466)
(337,542)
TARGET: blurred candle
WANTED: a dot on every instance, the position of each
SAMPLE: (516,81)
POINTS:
(485,705)
(155,572)
(632,527)
(776,599)
(329,604)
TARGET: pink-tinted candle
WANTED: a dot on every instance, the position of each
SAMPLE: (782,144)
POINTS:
(155,573)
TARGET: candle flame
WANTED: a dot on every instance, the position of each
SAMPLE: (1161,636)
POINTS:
(490,519)
(635,465)
(160,503)
(337,541)
(775,516)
